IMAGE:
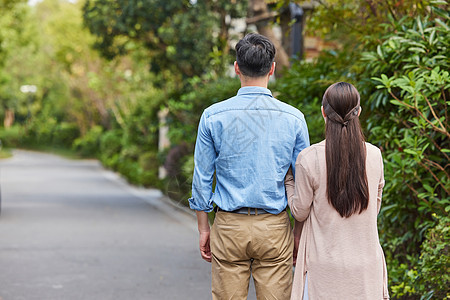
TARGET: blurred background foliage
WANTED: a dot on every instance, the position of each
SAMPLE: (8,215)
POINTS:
(106,72)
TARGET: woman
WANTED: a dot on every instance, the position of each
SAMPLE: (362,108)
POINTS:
(336,197)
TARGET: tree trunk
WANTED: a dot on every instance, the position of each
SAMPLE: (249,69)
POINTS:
(285,24)
(261,16)
(9,118)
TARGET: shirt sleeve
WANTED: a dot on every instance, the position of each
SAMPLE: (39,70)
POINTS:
(204,158)
(301,142)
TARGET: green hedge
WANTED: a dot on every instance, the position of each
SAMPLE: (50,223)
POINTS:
(409,121)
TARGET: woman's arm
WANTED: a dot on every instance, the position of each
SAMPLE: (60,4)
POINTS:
(299,191)
(380,185)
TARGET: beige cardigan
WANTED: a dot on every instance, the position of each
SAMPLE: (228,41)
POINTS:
(342,256)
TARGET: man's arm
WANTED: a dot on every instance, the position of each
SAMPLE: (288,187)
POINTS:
(200,201)
(204,157)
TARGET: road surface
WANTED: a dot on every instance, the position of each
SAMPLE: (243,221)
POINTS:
(71,230)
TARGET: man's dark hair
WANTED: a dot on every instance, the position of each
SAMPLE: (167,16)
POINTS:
(254,55)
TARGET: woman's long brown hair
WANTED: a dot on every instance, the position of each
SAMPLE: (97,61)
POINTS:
(347,187)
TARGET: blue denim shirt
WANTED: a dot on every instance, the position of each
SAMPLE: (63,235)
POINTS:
(249,141)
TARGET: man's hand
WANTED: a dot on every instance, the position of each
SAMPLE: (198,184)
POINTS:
(205,250)
(289,178)
(294,256)
(204,231)
(298,226)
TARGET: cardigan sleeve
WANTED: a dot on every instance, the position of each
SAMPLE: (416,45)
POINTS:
(299,191)
(380,185)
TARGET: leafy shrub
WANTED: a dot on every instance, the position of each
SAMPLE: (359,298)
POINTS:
(11,137)
(89,144)
(149,166)
(434,263)
(40,131)
(178,182)
(129,168)
(110,148)
(41,134)
(409,120)
(65,134)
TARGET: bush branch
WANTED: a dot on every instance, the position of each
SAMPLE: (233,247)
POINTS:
(434,113)
(434,176)
(445,132)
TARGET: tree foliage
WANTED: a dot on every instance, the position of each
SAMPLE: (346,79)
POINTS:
(180,35)
(15,35)
(356,22)
(80,95)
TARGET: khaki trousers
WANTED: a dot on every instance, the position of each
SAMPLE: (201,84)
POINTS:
(260,245)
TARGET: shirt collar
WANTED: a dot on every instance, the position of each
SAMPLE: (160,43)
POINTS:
(254,90)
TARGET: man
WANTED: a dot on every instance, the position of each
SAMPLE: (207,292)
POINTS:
(249,141)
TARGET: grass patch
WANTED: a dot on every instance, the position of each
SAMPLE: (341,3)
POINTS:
(5,153)
(64,152)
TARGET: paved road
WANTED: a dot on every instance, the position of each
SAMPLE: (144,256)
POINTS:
(71,230)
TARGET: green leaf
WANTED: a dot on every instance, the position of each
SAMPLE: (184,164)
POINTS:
(417,49)
(428,188)
(419,24)
(441,12)
(417,44)
(392,44)
(380,52)
(439,2)
(396,102)
(431,38)
(442,24)
(409,151)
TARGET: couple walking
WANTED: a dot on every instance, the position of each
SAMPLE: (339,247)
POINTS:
(258,148)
